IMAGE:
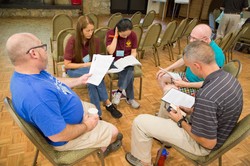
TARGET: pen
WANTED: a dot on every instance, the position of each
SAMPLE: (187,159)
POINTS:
(162,69)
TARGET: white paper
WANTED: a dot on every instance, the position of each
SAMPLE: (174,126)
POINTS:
(175,76)
(99,67)
(178,98)
(121,63)
(182,1)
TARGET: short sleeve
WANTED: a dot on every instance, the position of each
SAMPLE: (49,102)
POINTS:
(109,37)
(69,49)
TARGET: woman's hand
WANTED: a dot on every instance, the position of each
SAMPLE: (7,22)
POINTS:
(116,32)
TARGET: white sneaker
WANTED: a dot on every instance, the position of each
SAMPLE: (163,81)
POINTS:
(133,103)
(117,98)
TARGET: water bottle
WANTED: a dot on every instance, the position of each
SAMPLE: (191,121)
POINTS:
(164,155)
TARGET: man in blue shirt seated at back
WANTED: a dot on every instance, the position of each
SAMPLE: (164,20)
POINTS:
(50,105)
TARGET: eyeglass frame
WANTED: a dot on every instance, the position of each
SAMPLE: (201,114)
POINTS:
(40,46)
(196,39)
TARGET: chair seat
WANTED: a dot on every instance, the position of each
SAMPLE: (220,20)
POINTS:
(137,73)
(69,157)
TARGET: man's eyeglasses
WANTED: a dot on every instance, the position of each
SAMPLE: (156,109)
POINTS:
(195,39)
(44,46)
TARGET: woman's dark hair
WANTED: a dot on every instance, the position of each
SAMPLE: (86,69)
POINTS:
(124,24)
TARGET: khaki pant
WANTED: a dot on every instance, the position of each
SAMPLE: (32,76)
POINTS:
(100,136)
(145,127)
(228,23)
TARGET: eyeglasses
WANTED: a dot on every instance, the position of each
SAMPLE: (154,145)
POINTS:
(44,46)
(196,39)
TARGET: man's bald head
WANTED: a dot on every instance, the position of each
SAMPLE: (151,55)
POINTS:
(18,44)
(201,32)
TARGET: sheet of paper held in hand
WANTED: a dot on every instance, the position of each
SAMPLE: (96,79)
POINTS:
(124,62)
(173,75)
(178,98)
(99,67)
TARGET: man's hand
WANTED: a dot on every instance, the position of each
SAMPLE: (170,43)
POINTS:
(175,115)
(187,110)
(83,79)
(160,73)
(180,83)
(91,121)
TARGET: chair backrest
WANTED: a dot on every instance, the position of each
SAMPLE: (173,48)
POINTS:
(114,19)
(148,19)
(94,18)
(190,26)
(62,41)
(138,31)
(235,37)
(245,37)
(101,34)
(60,22)
(225,40)
(233,67)
(136,18)
(179,30)
(31,132)
(168,34)
(151,36)
(218,40)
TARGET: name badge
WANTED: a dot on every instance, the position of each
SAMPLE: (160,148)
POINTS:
(86,59)
(120,53)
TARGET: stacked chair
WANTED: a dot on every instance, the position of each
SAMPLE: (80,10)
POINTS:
(136,18)
(62,39)
(189,27)
(59,22)
(150,41)
(94,18)
(114,19)
(177,36)
(166,39)
(148,19)
(101,34)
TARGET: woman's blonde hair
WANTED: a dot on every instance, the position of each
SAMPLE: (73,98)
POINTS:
(82,23)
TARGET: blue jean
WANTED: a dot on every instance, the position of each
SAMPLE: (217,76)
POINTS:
(96,93)
(126,81)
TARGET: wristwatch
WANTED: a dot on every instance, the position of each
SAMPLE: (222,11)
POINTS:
(180,121)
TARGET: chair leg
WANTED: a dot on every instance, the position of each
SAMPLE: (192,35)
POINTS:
(154,53)
(110,88)
(179,45)
(101,157)
(157,56)
(169,52)
(54,68)
(220,160)
(140,88)
(35,158)
(171,49)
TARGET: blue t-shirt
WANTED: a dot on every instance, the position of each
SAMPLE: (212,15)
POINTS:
(45,102)
(219,58)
